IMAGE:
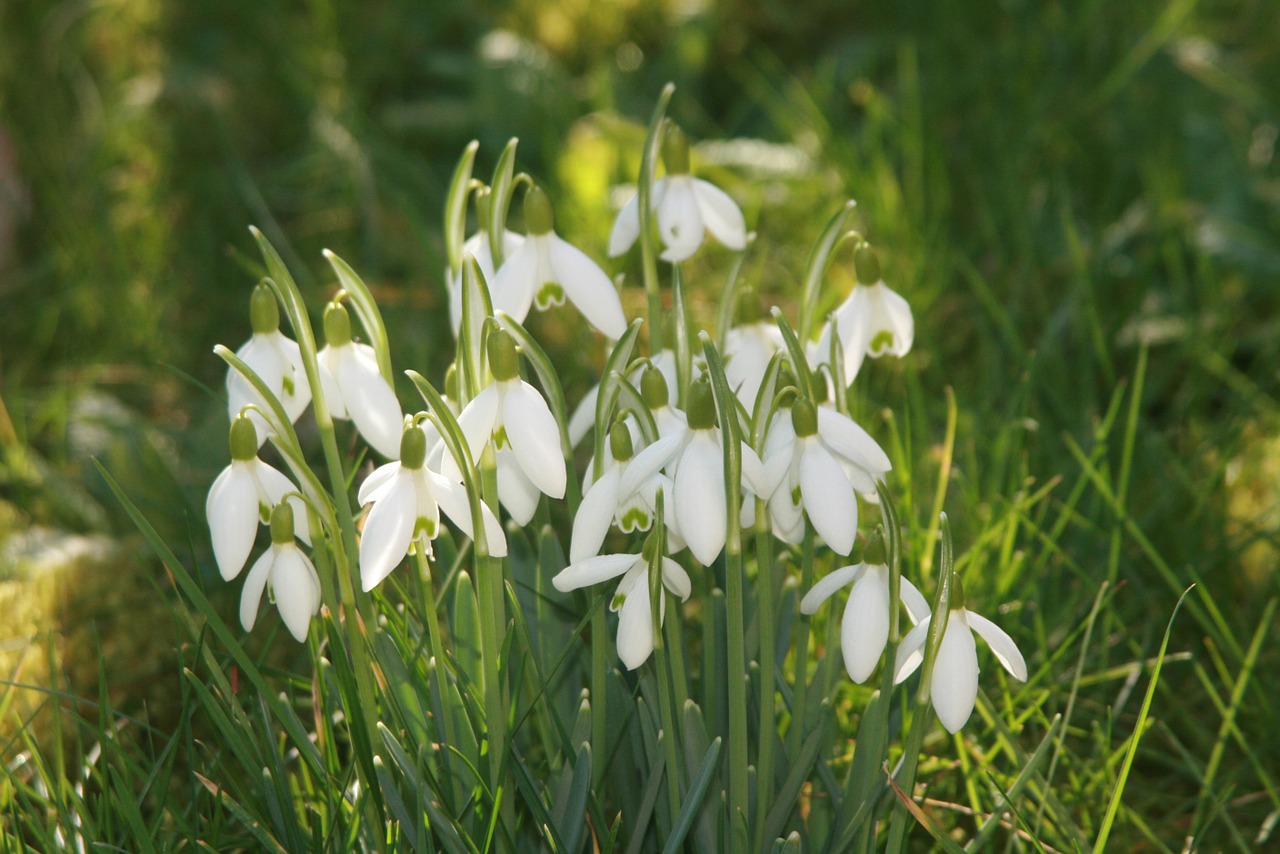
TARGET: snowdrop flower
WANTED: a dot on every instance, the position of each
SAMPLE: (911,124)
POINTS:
(274,358)
(631,600)
(477,246)
(530,457)
(694,458)
(953,687)
(544,270)
(817,461)
(864,629)
(353,386)
(241,496)
(747,351)
(605,503)
(407,498)
(292,579)
(874,320)
(686,208)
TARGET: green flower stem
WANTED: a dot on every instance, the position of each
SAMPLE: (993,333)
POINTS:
(648,256)
(684,360)
(665,703)
(799,701)
(599,695)
(436,641)
(768,728)
(490,574)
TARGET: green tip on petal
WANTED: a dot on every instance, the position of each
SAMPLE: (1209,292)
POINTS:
(675,150)
(867,265)
(413,448)
(873,553)
(537,212)
(337,325)
(264,312)
(282,524)
(702,405)
(804,418)
(244,439)
(653,387)
(620,442)
(503,360)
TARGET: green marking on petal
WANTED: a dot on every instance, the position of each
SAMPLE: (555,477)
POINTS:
(500,437)
(882,342)
(635,519)
(616,602)
(548,295)
(795,496)
(425,527)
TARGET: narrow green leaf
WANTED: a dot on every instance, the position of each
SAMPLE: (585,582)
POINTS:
(693,799)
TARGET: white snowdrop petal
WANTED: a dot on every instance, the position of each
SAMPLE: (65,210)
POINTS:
(954,688)
(534,437)
(679,220)
(700,499)
(276,486)
(864,629)
(327,363)
(720,214)
(593,570)
(232,511)
(1005,650)
(626,228)
(777,465)
(292,583)
(452,499)
(583,419)
(676,579)
(594,516)
(651,460)
(515,491)
(917,605)
(635,627)
(893,313)
(515,283)
(588,287)
(829,584)
(254,583)
(910,651)
(753,474)
(295,373)
(370,400)
(377,480)
(847,438)
(828,498)
(387,532)
(477,423)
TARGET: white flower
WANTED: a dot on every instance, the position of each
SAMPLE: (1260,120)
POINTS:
(545,270)
(354,387)
(242,496)
(953,689)
(274,358)
(686,208)
(407,498)
(747,351)
(694,458)
(631,600)
(872,321)
(864,630)
(815,461)
(606,503)
(657,395)
(294,585)
(477,246)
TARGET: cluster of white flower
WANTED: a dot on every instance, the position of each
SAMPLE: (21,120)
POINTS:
(665,466)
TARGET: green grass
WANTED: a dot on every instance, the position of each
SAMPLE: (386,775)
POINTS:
(1079,202)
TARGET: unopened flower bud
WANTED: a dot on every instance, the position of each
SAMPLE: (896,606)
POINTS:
(451,382)
(874,553)
(867,265)
(653,387)
(957,599)
(244,439)
(702,405)
(413,448)
(503,360)
(620,442)
(264,313)
(282,524)
(337,325)
(537,211)
(675,150)
(804,418)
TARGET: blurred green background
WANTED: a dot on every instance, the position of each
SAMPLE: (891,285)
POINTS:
(1062,190)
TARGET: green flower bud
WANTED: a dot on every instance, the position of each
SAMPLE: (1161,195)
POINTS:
(503,360)
(282,524)
(702,405)
(451,382)
(874,553)
(264,312)
(957,600)
(413,448)
(337,325)
(867,264)
(537,212)
(483,200)
(244,439)
(675,150)
(620,442)
(653,387)
(804,418)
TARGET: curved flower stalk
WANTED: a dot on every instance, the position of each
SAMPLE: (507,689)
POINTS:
(872,321)
(605,503)
(354,387)
(686,208)
(530,458)
(694,458)
(953,687)
(660,398)
(273,357)
(631,600)
(864,629)
(242,496)
(817,461)
(289,576)
(545,270)
(407,498)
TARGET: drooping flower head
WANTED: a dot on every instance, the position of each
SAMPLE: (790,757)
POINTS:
(545,270)
(274,358)
(686,208)
(289,576)
(872,321)
(606,503)
(353,386)
(242,496)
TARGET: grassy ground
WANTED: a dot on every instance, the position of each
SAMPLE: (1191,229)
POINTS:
(1080,200)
